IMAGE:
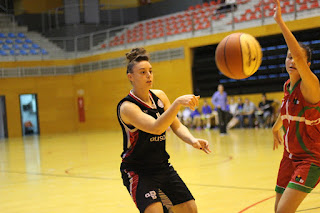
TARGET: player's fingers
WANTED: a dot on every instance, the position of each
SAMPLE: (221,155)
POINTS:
(207,149)
(205,146)
(197,99)
(191,102)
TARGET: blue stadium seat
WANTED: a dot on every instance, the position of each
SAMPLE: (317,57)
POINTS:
(35,46)
(262,76)
(34,52)
(16,46)
(253,78)
(12,52)
(23,52)
(5,47)
(2,35)
(1,41)
(28,41)
(3,53)
(223,81)
(21,35)
(44,52)
(26,46)
(286,75)
(9,41)
(273,76)
(19,41)
(11,35)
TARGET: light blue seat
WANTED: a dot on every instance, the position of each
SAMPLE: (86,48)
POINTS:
(16,46)
(3,53)
(6,47)
(9,41)
(21,35)
(13,52)
(28,41)
(2,35)
(19,41)
(23,52)
(11,35)
(44,52)
(35,46)
(25,46)
(34,52)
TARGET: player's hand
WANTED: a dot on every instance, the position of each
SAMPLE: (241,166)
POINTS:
(277,11)
(190,101)
(277,139)
(202,145)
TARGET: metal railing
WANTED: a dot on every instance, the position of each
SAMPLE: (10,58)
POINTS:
(91,43)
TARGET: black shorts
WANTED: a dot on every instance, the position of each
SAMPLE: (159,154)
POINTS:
(146,189)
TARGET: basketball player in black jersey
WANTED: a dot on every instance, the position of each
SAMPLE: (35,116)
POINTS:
(144,116)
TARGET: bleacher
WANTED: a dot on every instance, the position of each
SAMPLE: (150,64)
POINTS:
(19,44)
(195,18)
(265,9)
(204,19)
(194,21)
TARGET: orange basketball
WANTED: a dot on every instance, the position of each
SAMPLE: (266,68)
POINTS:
(238,55)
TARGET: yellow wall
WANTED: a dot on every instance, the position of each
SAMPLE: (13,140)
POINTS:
(56,104)
(104,89)
(36,6)
(57,96)
(114,4)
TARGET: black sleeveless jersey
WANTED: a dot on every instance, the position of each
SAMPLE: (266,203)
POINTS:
(143,150)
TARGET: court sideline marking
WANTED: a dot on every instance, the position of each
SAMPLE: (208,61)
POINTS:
(254,204)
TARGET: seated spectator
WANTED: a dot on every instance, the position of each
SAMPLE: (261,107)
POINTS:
(206,114)
(247,112)
(234,109)
(179,115)
(196,119)
(186,117)
(265,111)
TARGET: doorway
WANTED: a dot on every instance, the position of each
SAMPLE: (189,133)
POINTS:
(29,114)
(3,118)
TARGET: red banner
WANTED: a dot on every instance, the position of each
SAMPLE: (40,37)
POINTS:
(81,109)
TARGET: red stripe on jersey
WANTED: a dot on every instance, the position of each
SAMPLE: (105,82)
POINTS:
(139,101)
(133,186)
(133,141)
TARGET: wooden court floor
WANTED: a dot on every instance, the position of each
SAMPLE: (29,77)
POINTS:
(79,173)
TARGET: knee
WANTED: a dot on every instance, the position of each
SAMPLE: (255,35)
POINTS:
(192,207)
(187,207)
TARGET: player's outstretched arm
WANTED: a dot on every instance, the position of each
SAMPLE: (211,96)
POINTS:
(184,134)
(310,86)
(131,114)
(180,130)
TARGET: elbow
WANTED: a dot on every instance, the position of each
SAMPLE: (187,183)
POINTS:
(157,130)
